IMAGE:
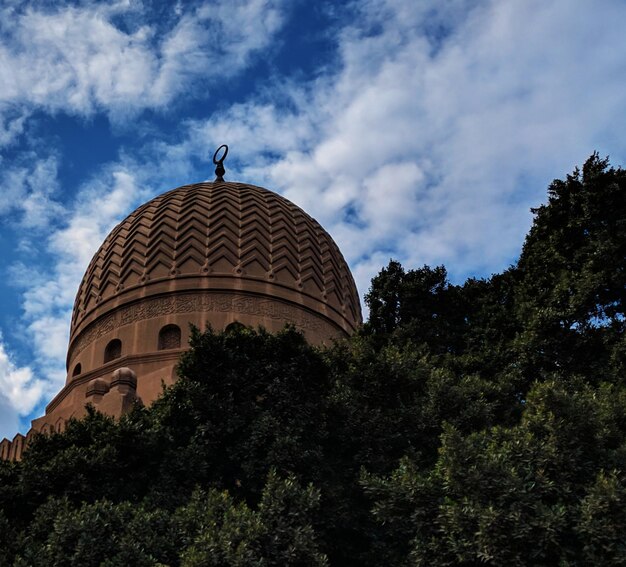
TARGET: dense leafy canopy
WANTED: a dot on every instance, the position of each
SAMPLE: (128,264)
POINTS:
(482,423)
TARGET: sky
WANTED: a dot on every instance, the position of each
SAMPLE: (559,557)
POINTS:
(419,130)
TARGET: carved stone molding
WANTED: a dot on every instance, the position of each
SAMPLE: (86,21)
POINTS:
(201,303)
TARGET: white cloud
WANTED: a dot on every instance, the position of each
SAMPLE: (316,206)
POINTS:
(75,59)
(27,190)
(18,385)
(389,197)
(215,41)
(12,121)
(9,419)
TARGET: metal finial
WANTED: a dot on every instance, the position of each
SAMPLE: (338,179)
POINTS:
(219,170)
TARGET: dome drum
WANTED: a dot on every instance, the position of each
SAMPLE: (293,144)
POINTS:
(137,325)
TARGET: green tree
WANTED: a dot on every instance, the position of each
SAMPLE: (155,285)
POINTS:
(512,495)
(247,402)
(101,534)
(482,423)
(573,274)
(602,522)
(419,305)
(221,532)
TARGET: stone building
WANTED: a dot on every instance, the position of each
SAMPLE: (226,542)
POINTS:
(209,253)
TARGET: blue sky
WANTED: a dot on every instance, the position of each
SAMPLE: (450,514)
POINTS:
(415,129)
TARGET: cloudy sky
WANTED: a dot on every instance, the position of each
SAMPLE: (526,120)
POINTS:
(422,130)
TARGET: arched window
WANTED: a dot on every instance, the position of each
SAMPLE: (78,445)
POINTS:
(234,327)
(77,370)
(113,350)
(169,337)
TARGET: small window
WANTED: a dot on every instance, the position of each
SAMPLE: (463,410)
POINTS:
(169,337)
(113,350)
(235,327)
(77,370)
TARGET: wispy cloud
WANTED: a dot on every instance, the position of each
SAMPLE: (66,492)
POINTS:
(77,60)
(20,391)
(12,121)
(28,190)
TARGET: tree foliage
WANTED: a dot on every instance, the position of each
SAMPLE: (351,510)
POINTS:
(478,423)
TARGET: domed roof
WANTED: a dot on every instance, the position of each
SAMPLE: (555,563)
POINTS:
(218,236)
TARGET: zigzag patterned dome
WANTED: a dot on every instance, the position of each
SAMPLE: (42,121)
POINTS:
(252,253)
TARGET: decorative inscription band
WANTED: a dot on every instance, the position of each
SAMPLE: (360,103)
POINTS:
(195,303)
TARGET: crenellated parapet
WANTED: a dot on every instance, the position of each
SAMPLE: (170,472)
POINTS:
(12,450)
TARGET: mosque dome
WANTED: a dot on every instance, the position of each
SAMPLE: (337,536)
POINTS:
(217,248)
(215,254)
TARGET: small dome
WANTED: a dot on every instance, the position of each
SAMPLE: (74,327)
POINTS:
(124,376)
(216,237)
(97,386)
